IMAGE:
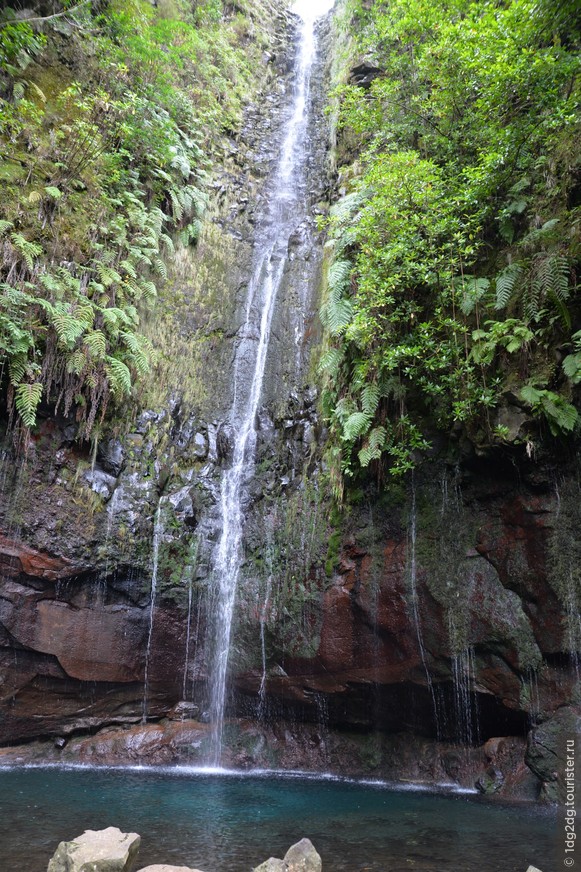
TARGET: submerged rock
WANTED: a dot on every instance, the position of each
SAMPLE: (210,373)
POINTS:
(107,850)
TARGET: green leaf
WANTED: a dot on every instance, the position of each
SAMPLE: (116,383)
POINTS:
(355,425)
(572,367)
(27,398)
(53,192)
(530,395)
(118,376)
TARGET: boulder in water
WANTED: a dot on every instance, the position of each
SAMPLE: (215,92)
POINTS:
(164,868)
(301,857)
(271,865)
(107,850)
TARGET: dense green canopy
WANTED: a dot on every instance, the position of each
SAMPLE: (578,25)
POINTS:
(454,278)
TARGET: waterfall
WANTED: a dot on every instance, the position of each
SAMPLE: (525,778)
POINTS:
(188,638)
(466,717)
(157,537)
(263,620)
(287,207)
(415,607)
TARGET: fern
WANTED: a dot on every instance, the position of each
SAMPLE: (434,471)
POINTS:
(337,315)
(53,192)
(549,279)
(68,328)
(27,397)
(330,362)
(177,205)
(505,284)
(149,290)
(118,376)
(373,446)
(356,425)
(370,399)
(76,363)
(160,267)
(348,237)
(5,226)
(28,250)
(339,275)
(107,274)
(129,268)
(561,416)
(181,163)
(572,367)
(473,289)
(167,242)
(96,344)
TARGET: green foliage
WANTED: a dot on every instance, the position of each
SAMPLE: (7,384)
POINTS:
(115,123)
(457,248)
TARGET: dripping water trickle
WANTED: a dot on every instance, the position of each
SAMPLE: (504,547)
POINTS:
(415,607)
(466,715)
(158,531)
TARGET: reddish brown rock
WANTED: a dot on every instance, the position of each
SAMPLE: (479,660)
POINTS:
(17,558)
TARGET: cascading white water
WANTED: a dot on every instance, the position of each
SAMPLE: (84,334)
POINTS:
(158,530)
(287,209)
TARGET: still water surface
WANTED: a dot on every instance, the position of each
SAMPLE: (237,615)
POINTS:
(230,823)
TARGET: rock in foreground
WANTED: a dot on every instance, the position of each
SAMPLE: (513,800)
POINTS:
(107,850)
(301,857)
(164,868)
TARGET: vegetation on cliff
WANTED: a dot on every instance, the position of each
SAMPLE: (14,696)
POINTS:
(111,114)
(456,245)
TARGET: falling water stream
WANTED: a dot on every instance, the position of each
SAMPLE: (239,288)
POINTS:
(157,537)
(415,607)
(287,208)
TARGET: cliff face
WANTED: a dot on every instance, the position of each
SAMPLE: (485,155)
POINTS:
(424,633)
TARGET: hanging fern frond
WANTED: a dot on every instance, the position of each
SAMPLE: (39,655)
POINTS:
(96,343)
(355,425)
(505,284)
(336,315)
(28,250)
(118,376)
(167,242)
(472,289)
(68,328)
(129,268)
(339,275)
(27,397)
(177,205)
(374,446)
(76,362)
(160,267)
(370,399)
(330,362)
(107,274)
(549,280)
